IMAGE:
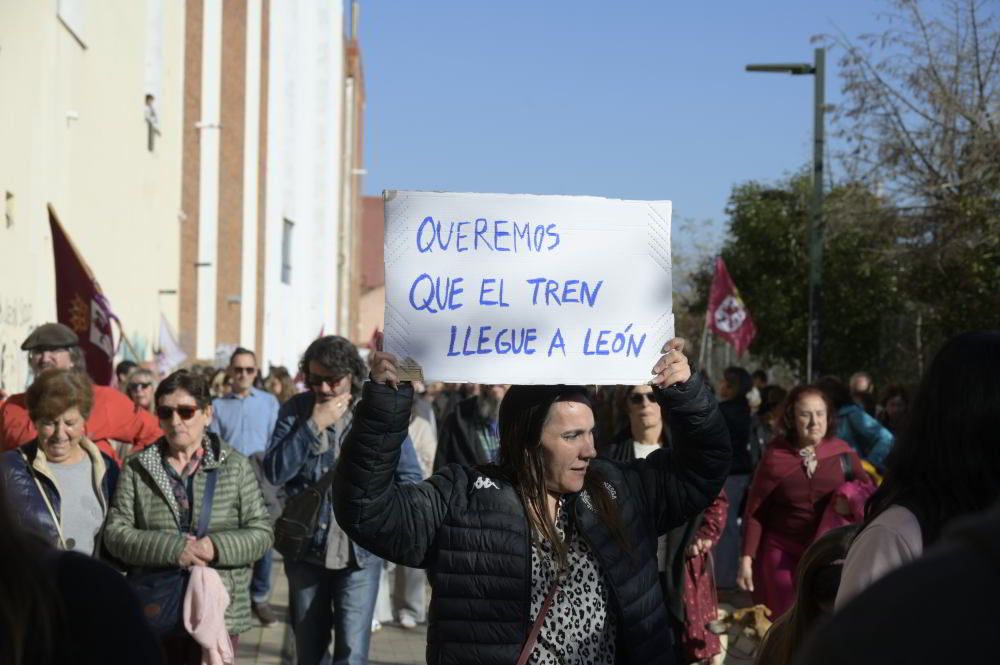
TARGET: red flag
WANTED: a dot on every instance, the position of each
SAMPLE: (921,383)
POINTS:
(727,315)
(81,305)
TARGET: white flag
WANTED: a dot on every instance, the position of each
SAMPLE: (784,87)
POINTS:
(170,354)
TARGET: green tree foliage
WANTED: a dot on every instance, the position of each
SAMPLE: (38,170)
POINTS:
(921,122)
(767,257)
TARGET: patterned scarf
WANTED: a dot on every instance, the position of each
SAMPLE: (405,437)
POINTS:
(179,482)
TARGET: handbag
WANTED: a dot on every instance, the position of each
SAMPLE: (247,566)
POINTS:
(294,529)
(161,592)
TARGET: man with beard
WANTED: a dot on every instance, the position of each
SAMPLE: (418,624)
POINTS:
(115,424)
(470,435)
(334,585)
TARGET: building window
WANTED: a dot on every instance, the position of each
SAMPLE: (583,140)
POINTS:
(8,209)
(152,123)
(286,251)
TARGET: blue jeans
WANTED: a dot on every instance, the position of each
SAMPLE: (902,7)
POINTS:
(260,583)
(727,552)
(341,600)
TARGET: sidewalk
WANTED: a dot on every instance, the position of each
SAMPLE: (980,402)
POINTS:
(391,645)
(273,645)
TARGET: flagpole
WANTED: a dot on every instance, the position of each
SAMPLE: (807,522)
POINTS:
(704,345)
(128,344)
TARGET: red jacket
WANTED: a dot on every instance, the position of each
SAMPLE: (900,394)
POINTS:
(113,417)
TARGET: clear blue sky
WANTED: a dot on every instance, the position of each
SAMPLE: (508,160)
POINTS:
(635,99)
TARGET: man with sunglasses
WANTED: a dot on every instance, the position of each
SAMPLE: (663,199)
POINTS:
(245,418)
(335,584)
(114,424)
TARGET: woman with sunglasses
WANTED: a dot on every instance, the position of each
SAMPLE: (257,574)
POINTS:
(682,554)
(140,387)
(156,510)
(549,553)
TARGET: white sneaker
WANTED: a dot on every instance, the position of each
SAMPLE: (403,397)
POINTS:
(408,622)
(376,625)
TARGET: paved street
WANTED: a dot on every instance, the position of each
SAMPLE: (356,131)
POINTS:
(391,645)
(266,646)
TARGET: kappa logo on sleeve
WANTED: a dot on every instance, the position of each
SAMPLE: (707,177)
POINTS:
(482,482)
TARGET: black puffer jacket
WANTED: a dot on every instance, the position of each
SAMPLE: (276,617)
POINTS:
(474,538)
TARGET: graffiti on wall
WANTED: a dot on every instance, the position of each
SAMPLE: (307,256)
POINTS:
(15,324)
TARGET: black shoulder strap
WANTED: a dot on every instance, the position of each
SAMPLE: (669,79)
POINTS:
(323,484)
(206,502)
(845,465)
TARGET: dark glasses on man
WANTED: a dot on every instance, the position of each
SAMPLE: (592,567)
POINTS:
(317,380)
(185,412)
(639,398)
(244,370)
(139,384)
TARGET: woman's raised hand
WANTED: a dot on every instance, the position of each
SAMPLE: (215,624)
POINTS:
(673,366)
(385,368)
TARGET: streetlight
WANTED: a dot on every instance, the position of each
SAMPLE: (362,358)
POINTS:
(817,69)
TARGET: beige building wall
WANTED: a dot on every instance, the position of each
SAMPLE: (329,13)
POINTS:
(74,135)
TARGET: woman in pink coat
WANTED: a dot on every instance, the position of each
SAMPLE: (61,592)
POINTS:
(793,486)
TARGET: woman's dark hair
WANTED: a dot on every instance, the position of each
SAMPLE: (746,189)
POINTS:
(523,413)
(787,423)
(946,461)
(622,398)
(192,383)
(894,390)
(738,380)
(817,580)
(55,391)
(836,390)
(338,356)
(31,616)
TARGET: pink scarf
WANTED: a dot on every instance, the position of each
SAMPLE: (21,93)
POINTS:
(205,606)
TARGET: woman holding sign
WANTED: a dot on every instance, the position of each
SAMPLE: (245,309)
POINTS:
(548,556)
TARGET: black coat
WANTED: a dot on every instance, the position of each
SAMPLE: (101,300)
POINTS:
(473,536)
(676,541)
(737,415)
(458,438)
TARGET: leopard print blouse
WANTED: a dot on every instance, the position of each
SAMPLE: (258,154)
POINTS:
(578,629)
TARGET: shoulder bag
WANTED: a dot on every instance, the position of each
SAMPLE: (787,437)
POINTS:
(294,529)
(161,591)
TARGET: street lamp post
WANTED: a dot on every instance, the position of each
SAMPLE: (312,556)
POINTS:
(816,222)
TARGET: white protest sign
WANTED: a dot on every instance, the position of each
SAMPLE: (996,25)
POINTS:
(501,288)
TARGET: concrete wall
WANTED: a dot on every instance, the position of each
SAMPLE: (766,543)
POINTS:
(304,171)
(74,134)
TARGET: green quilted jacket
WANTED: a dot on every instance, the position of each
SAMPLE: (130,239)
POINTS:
(142,529)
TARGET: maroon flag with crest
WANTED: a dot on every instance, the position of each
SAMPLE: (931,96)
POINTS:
(727,315)
(81,305)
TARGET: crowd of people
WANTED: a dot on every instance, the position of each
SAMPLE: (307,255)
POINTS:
(556,524)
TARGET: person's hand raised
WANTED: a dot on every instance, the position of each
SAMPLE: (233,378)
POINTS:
(673,366)
(385,369)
